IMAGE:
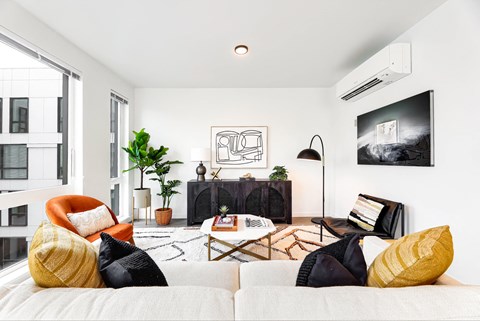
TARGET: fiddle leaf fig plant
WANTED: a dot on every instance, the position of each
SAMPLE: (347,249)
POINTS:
(141,155)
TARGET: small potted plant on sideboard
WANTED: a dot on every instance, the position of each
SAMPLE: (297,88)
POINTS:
(280,173)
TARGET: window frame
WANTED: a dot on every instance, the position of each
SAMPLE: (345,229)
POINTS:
(10,214)
(73,135)
(2,168)
(4,250)
(60,168)
(122,179)
(60,115)
(12,122)
(1,115)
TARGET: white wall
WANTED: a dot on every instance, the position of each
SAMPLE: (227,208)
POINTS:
(445,57)
(181,118)
(97,82)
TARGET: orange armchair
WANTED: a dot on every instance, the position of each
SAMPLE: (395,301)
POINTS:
(58,207)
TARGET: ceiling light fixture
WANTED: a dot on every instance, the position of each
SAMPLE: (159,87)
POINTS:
(241,49)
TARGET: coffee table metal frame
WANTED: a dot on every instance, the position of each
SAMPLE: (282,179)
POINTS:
(250,235)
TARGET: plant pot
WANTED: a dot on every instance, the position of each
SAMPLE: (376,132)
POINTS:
(163,216)
(142,198)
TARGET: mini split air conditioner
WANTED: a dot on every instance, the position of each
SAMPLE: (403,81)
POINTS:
(385,67)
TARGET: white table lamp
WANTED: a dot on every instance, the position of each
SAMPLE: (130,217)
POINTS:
(200,155)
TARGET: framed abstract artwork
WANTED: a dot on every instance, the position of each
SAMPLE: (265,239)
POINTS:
(398,134)
(239,146)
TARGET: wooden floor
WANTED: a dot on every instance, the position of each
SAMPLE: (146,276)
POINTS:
(183,222)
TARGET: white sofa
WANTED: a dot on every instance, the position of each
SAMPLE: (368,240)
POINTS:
(250,291)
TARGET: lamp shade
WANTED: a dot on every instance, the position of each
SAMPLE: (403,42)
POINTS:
(200,155)
(310,154)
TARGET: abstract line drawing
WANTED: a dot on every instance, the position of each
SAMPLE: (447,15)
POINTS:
(239,147)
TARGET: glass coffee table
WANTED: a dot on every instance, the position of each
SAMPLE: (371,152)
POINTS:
(244,233)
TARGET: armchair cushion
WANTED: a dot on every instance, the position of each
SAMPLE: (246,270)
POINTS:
(91,221)
(365,213)
(121,231)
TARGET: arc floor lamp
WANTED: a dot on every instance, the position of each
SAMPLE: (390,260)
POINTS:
(311,154)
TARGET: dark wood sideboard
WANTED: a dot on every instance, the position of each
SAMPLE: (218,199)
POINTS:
(271,199)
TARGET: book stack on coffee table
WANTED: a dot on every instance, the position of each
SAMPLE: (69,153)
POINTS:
(225,224)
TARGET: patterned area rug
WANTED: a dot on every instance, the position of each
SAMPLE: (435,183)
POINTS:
(189,244)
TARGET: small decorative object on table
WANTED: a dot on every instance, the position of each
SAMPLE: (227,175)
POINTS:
(223,211)
(215,174)
(255,223)
(225,224)
(280,173)
(247,177)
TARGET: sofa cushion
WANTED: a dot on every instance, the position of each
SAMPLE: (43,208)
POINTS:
(223,275)
(415,259)
(365,213)
(61,258)
(357,303)
(91,221)
(131,303)
(267,273)
(328,271)
(122,264)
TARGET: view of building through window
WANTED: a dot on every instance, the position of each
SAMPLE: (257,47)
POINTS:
(118,110)
(32,151)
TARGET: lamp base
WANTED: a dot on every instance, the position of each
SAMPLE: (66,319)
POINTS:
(201,170)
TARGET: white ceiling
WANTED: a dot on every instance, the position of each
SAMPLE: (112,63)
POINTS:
(189,43)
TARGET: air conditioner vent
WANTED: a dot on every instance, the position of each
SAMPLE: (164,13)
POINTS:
(361,89)
(382,69)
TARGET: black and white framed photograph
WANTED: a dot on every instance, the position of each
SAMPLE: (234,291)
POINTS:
(239,146)
(398,134)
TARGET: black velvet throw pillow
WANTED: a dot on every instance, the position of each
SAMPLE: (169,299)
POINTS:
(340,263)
(122,264)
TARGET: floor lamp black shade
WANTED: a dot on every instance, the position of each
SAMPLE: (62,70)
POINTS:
(312,154)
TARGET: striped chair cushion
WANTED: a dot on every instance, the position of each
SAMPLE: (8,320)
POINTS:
(61,258)
(365,213)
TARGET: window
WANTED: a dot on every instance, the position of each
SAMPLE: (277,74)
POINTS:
(17,216)
(118,159)
(114,128)
(115,198)
(60,161)
(18,115)
(44,123)
(60,115)
(12,250)
(1,114)
(13,161)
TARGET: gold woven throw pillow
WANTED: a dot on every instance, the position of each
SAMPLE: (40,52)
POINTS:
(61,258)
(415,259)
